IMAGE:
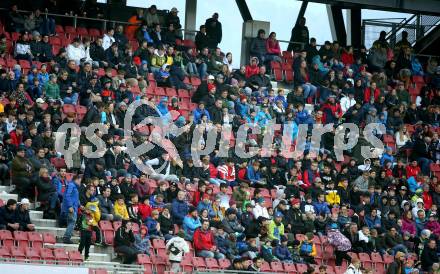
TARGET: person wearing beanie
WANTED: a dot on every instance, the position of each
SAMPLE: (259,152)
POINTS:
(177,248)
(8,218)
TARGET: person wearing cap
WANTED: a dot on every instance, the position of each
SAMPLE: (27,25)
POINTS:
(23,217)
(282,252)
(172,18)
(8,217)
(276,227)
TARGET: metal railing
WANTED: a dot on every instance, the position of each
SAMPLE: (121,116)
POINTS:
(416,26)
(113,267)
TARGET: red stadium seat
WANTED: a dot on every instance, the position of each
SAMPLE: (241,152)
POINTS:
(4,252)
(49,238)
(94,32)
(17,253)
(145,261)
(61,256)
(117,225)
(171,92)
(301,268)
(75,256)
(6,238)
(71,31)
(58,163)
(158,244)
(32,253)
(277,267)
(160,263)
(82,32)
(55,41)
(46,254)
(158,91)
(366,260)
(211,263)
(21,238)
(265,267)
(68,108)
(224,263)
(199,263)
(290,268)
(59,29)
(101,271)
(187,264)
(195,81)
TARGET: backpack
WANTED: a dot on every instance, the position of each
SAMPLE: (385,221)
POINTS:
(305,248)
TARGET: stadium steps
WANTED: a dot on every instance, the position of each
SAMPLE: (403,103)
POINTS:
(6,196)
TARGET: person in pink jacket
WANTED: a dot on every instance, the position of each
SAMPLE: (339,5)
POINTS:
(408,224)
(433,224)
(273,48)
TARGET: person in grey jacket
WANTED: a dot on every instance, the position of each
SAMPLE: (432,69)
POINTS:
(362,181)
(377,59)
(230,223)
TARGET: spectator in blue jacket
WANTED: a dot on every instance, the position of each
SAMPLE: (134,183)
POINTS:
(205,203)
(179,208)
(190,223)
(321,206)
(282,252)
(199,112)
(241,107)
(70,207)
(372,220)
(254,175)
(153,226)
(387,156)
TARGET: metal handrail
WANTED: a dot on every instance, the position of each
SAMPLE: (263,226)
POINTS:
(401,25)
(87,264)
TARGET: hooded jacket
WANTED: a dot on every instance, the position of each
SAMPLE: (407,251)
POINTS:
(203,240)
(180,246)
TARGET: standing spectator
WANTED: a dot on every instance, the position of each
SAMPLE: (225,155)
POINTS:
(177,248)
(70,207)
(173,18)
(204,243)
(258,46)
(213,31)
(124,242)
(22,170)
(86,227)
(47,192)
(299,37)
(340,242)
(202,39)
(151,16)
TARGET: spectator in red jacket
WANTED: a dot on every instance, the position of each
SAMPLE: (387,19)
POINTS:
(427,198)
(310,175)
(347,56)
(17,135)
(332,110)
(412,170)
(273,47)
(204,243)
(371,92)
(252,68)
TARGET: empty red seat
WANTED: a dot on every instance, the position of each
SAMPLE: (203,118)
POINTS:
(32,253)
(94,32)
(170,92)
(70,30)
(21,238)
(55,41)
(68,108)
(4,252)
(82,31)
(158,244)
(187,264)
(199,263)
(301,268)
(195,81)
(75,256)
(289,268)
(47,255)
(158,91)
(160,263)
(59,29)
(61,255)
(211,263)
(49,238)
(6,238)
(116,225)
(277,267)
(224,263)
(17,253)
(366,260)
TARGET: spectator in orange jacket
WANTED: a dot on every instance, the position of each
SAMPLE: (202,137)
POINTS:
(204,243)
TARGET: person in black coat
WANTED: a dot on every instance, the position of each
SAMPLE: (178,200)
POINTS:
(202,40)
(8,216)
(214,31)
(114,161)
(97,52)
(23,218)
(95,169)
(47,192)
(216,112)
(398,266)
(429,255)
(124,242)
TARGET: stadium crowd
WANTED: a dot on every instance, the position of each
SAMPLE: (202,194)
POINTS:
(261,208)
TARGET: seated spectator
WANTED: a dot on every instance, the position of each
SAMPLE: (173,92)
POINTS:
(8,216)
(204,243)
(125,242)
(75,51)
(190,223)
(120,208)
(22,170)
(282,252)
(166,224)
(142,241)
(106,205)
(47,192)
(23,49)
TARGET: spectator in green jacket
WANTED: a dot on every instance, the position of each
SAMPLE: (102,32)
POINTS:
(52,89)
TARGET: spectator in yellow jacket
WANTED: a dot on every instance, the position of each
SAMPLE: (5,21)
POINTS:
(276,227)
(332,197)
(120,208)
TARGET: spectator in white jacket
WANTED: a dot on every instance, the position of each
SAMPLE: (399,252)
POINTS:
(354,267)
(108,38)
(177,247)
(347,101)
(260,209)
(75,51)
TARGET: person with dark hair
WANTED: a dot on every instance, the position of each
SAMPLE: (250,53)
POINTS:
(124,242)
(8,216)
(202,39)
(213,31)
(300,36)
